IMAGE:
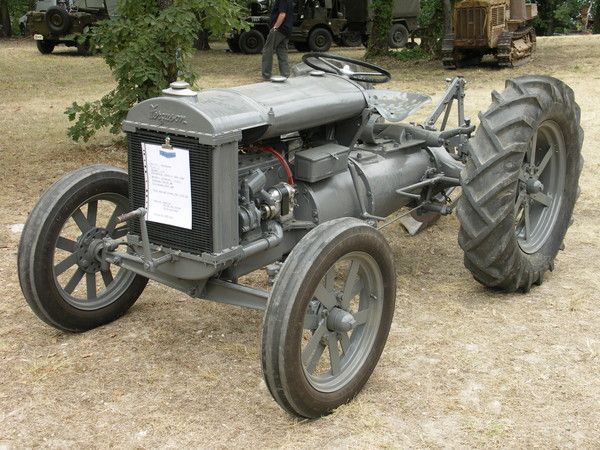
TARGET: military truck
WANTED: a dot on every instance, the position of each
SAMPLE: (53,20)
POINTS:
(405,16)
(64,22)
(496,27)
(317,25)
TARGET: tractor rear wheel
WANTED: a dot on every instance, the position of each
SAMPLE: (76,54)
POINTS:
(520,183)
(328,317)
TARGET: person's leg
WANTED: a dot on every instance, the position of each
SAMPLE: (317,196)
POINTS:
(267,55)
(282,56)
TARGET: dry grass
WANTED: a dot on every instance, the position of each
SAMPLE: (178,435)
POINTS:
(463,366)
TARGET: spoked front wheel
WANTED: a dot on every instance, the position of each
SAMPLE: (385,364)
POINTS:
(328,317)
(61,277)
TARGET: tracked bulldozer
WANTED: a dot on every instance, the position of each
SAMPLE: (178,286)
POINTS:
(497,27)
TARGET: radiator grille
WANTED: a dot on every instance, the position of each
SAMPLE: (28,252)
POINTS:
(200,238)
(470,23)
(498,16)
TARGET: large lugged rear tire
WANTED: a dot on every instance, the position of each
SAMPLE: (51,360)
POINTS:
(520,183)
(61,280)
(328,317)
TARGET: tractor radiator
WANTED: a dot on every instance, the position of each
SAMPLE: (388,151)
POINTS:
(470,23)
(200,238)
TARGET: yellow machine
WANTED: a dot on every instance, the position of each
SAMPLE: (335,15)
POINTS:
(497,27)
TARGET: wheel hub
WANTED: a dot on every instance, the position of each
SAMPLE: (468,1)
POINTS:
(340,320)
(86,247)
(534,186)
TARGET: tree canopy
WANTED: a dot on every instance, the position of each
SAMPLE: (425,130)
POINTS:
(148,45)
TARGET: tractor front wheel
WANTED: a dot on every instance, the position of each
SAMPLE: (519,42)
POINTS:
(520,183)
(328,317)
(61,278)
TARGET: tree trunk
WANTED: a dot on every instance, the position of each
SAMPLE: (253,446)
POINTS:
(596,15)
(201,42)
(433,32)
(5,25)
(447,17)
(382,21)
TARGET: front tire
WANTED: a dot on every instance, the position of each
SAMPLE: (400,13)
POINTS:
(45,47)
(61,280)
(328,317)
(520,183)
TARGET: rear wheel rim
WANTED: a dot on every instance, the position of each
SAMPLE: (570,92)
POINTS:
(79,277)
(351,293)
(541,188)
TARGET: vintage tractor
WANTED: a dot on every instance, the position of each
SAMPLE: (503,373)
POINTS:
(497,27)
(301,175)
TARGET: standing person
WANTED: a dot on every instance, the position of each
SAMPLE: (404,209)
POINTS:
(282,21)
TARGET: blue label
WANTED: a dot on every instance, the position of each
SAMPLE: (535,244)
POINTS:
(167,154)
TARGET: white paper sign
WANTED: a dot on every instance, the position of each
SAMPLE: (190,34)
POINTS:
(168,186)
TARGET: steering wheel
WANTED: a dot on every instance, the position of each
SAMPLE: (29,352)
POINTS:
(326,63)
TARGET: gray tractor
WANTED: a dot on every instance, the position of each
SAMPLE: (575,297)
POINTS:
(301,175)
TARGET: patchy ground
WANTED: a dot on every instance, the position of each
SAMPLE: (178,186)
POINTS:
(463,366)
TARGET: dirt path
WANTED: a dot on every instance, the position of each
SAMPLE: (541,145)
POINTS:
(463,366)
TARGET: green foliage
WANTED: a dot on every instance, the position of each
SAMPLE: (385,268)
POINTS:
(431,22)
(382,21)
(147,47)
(17,9)
(557,16)
(410,54)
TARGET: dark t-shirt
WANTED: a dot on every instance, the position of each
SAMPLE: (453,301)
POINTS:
(287,7)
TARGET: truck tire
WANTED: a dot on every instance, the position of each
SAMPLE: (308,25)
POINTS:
(335,291)
(251,42)
(399,35)
(55,248)
(58,20)
(45,47)
(233,43)
(520,183)
(320,40)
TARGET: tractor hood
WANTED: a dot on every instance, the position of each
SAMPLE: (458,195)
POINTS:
(252,112)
